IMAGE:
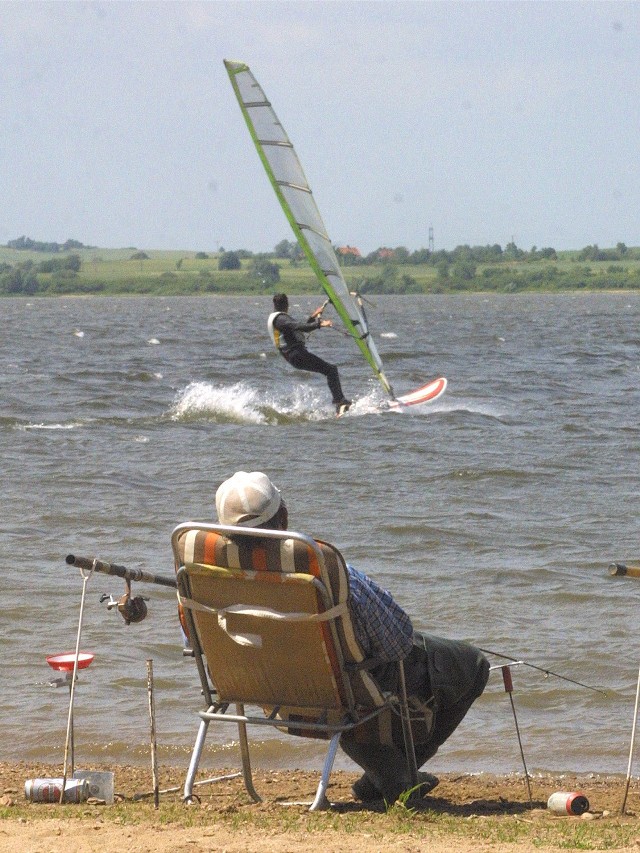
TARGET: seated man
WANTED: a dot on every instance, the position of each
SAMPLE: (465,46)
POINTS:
(445,674)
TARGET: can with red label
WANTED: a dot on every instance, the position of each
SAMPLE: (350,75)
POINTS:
(48,790)
(568,802)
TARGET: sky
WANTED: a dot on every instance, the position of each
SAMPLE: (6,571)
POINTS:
(486,121)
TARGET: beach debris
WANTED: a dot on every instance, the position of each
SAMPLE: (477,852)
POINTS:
(100,785)
(568,803)
(49,790)
(177,788)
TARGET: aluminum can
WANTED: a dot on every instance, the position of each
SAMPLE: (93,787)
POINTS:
(48,790)
(568,802)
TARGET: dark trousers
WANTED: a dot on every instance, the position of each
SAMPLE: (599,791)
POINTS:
(447,674)
(302,359)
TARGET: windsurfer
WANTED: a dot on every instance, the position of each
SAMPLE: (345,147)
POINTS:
(288,335)
(443,677)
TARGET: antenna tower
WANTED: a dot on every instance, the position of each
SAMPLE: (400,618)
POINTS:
(431,243)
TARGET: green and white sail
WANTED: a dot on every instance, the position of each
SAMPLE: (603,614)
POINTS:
(292,189)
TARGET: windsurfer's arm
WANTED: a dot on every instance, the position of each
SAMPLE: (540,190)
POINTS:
(284,323)
(318,311)
(314,321)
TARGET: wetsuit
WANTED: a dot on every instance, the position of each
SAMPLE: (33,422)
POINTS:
(288,335)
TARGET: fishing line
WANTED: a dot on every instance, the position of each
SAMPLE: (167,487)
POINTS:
(544,670)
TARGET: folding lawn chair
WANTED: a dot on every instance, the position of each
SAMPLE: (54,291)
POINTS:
(267,617)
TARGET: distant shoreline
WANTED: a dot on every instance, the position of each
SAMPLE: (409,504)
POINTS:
(579,291)
(397,272)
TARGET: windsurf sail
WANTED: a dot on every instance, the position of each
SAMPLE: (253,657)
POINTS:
(287,177)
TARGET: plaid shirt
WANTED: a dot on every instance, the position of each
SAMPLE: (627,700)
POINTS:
(381,626)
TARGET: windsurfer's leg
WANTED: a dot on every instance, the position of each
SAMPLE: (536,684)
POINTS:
(302,359)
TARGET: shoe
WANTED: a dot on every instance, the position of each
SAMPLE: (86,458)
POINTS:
(426,782)
(343,407)
(365,790)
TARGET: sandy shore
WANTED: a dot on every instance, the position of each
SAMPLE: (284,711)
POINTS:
(463,814)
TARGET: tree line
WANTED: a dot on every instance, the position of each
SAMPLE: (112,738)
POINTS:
(27,244)
(386,270)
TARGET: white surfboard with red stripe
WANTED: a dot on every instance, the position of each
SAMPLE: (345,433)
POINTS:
(430,391)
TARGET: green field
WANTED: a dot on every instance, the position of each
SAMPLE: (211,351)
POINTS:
(114,271)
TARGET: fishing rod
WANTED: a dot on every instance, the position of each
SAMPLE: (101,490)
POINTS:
(120,571)
(542,669)
(622,569)
(132,609)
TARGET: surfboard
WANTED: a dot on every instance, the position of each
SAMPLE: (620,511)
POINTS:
(430,391)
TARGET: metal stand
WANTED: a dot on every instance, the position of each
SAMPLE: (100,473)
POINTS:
(508,687)
(631,748)
(67,662)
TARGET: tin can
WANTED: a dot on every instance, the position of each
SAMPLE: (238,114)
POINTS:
(568,802)
(48,790)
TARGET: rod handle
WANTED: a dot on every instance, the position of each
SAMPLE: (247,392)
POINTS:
(506,677)
(620,569)
(88,564)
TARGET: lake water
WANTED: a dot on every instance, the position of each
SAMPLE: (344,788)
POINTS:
(491,514)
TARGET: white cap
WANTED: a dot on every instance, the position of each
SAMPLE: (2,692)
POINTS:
(247,499)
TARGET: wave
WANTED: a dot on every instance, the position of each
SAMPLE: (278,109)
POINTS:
(464,408)
(241,403)
(54,426)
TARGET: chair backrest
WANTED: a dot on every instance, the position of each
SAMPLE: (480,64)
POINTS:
(270,609)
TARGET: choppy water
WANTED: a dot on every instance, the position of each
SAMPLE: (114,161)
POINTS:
(491,514)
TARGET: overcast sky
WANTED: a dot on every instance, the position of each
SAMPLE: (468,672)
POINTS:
(489,121)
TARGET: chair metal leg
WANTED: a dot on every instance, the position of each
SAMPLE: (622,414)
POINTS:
(246,760)
(320,801)
(195,761)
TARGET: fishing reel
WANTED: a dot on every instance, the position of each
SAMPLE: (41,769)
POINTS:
(132,609)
